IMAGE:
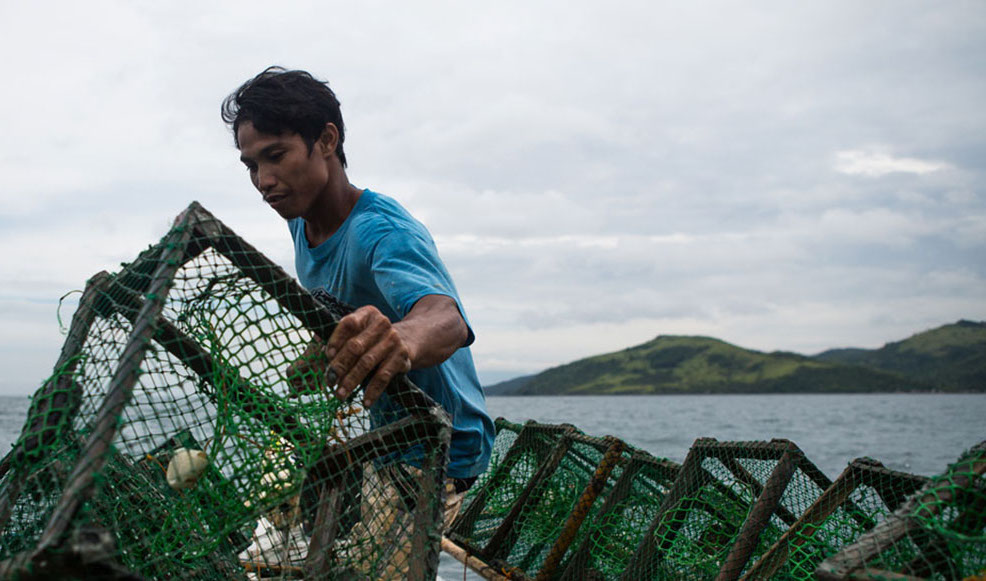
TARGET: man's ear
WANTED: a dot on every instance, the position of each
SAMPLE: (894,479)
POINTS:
(328,140)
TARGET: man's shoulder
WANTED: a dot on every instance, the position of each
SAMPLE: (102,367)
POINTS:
(373,203)
(378,215)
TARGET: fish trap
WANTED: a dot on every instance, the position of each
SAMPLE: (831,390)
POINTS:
(527,515)
(558,504)
(861,497)
(939,533)
(172,441)
(729,503)
(622,520)
(506,434)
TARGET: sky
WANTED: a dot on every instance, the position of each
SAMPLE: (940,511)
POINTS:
(780,175)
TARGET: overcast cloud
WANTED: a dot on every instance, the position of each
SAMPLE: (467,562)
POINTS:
(779,175)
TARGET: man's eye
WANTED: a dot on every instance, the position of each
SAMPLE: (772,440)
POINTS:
(276,156)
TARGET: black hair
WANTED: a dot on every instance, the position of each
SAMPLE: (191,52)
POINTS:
(278,101)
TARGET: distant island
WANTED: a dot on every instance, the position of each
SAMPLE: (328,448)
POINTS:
(951,358)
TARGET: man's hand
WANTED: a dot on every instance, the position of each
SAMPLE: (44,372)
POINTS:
(367,346)
(366,343)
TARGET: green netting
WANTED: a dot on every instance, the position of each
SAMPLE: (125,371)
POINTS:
(730,502)
(172,440)
(527,513)
(542,519)
(506,435)
(940,533)
(622,520)
(863,495)
(559,504)
(490,502)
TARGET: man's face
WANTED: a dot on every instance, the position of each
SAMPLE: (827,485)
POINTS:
(281,168)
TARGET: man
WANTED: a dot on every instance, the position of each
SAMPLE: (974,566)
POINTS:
(367,250)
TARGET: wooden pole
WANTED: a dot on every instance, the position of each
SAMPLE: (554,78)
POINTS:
(765,505)
(582,506)
(475,563)
(120,390)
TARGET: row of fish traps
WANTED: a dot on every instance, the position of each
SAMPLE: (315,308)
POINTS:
(560,504)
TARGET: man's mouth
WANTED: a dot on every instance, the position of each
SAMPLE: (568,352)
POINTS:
(274,198)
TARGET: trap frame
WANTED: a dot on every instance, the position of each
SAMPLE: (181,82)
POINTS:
(558,504)
(939,533)
(863,495)
(528,513)
(729,501)
(170,440)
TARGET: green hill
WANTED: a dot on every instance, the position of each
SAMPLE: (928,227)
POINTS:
(951,357)
(686,365)
(508,387)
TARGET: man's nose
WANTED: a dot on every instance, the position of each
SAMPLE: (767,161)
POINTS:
(265,181)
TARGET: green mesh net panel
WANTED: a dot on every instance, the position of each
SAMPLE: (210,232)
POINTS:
(730,502)
(526,515)
(173,441)
(939,533)
(558,504)
(622,520)
(862,496)
(519,453)
(506,435)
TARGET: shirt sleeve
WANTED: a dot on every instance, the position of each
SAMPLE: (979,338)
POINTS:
(406,267)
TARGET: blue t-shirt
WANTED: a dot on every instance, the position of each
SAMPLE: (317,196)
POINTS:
(382,256)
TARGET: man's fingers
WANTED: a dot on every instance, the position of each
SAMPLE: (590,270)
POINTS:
(380,365)
(366,348)
(358,358)
(358,354)
(382,378)
(350,326)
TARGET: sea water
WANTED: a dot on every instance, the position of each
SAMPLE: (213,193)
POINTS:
(917,433)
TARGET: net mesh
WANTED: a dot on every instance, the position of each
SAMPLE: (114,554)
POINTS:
(176,437)
(862,496)
(559,504)
(939,533)
(623,518)
(729,503)
(528,510)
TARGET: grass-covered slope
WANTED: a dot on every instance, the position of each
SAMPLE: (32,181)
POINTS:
(673,364)
(508,387)
(951,357)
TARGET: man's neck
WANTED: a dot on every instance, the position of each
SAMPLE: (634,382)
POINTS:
(332,209)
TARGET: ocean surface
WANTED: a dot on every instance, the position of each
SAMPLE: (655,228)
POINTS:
(918,433)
